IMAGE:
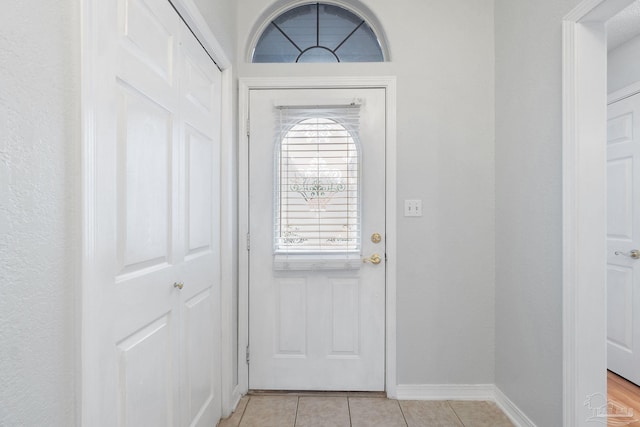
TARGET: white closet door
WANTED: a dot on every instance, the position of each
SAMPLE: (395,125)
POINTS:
(151,309)
(200,209)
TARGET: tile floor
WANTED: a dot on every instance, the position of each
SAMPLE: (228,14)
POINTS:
(311,410)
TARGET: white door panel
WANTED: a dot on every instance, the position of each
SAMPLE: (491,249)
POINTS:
(623,236)
(314,327)
(620,313)
(144,182)
(146,374)
(156,326)
(200,385)
(620,196)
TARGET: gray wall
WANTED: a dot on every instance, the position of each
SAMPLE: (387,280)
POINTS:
(529,205)
(39,220)
(443,56)
(221,17)
(624,65)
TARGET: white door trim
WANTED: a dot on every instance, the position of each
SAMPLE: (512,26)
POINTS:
(584,205)
(247,84)
(625,92)
(90,63)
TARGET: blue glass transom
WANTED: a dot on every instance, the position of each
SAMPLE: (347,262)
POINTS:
(318,32)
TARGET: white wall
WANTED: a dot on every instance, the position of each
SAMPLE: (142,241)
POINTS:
(221,17)
(529,205)
(443,57)
(39,184)
(624,65)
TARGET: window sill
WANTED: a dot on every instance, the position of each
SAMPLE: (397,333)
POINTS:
(311,262)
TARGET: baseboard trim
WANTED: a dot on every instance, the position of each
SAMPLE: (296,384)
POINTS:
(511,409)
(465,392)
(236,395)
(445,391)
(234,399)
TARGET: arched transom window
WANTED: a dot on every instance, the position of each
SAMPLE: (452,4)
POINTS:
(318,32)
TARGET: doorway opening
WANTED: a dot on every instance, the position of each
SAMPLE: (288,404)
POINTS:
(584,207)
(288,287)
(623,222)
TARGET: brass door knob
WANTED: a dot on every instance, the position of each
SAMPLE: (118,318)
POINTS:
(178,285)
(634,253)
(373,259)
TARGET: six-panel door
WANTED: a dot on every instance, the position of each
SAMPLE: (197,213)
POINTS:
(157,326)
(623,236)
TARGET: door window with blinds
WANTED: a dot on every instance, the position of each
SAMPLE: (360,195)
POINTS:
(317,181)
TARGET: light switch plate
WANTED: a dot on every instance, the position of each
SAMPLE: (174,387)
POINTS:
(413,208)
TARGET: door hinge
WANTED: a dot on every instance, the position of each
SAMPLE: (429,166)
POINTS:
(248,127)
(248,241)
(248,355)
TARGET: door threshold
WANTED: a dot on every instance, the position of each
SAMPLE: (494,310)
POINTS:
(318,393)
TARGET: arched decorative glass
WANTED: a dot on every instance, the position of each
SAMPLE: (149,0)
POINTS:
(318,32)
(317,189)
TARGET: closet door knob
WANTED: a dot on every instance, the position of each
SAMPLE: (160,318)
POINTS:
(178,285)
(634,253)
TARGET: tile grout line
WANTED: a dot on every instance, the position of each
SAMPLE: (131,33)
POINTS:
(455,413)
(402,412)
(244,411)
(349,410)
(295,419)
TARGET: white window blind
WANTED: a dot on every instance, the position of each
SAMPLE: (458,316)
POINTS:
(317,181)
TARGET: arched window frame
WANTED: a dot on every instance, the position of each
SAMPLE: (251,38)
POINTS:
(353,6)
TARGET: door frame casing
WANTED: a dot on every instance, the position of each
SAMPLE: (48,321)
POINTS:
(625,92)
(584,205)
(245,86)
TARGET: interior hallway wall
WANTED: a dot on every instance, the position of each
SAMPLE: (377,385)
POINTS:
(529,205)
(442,53)
(220,15)
(39,219)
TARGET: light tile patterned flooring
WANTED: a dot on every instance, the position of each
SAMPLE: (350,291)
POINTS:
(358,410)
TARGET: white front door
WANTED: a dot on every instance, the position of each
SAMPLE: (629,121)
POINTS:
(317,208)
(151,309)
(623,236)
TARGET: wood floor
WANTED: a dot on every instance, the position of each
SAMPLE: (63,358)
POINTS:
(623,402)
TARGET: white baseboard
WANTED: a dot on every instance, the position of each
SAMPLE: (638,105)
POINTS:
(445,391)
(465,392)
(236,395)
(513,412)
